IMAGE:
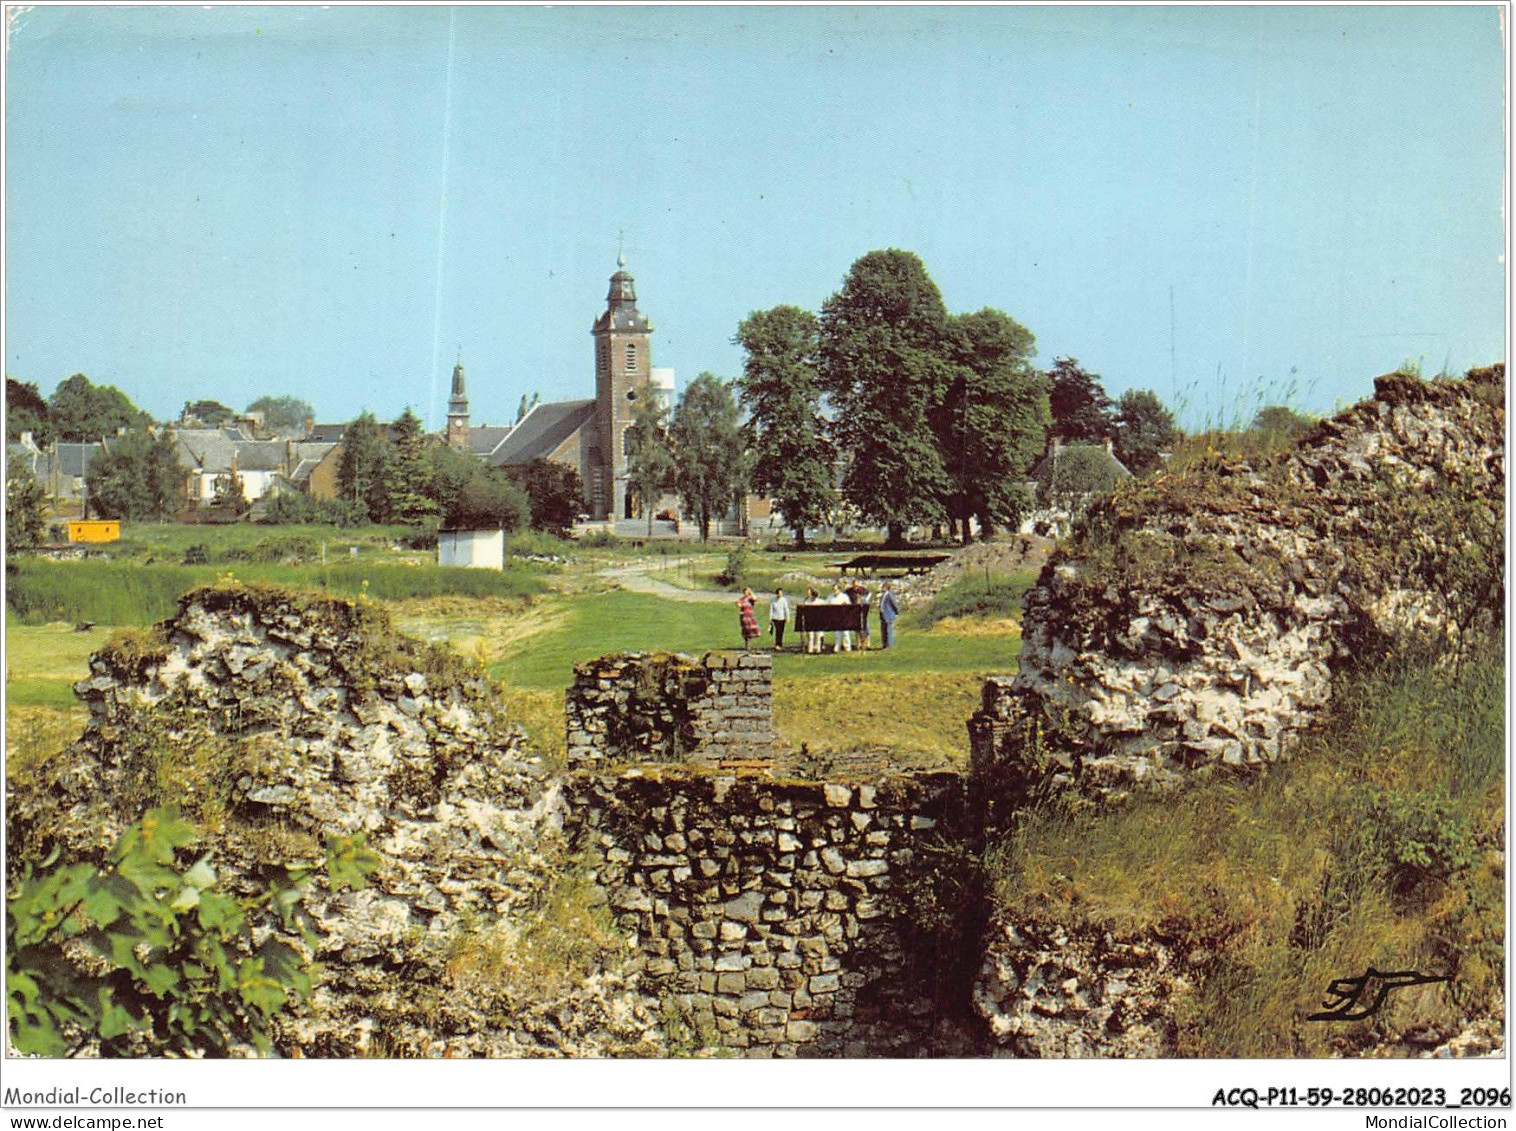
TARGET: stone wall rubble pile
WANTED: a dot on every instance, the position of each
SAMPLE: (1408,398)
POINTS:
(284,720)
(1198,620)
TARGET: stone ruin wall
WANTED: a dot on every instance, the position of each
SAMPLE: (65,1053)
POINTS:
(1222,659)
(645,707)
(770,912)
(776,916)
(291,719)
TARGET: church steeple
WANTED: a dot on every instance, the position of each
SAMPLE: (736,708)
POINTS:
(457,412)
(623,361)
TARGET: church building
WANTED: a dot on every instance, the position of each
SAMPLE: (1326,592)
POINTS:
(588,435)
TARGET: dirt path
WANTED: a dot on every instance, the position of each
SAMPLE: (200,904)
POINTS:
(637,577)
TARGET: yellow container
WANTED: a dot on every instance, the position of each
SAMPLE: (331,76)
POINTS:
(94,530)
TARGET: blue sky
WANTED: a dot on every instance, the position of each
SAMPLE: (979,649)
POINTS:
(228,202)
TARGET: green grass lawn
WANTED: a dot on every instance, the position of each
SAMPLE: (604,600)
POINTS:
(172,539)
(125,592)
(597,624)
(43,661)
(916,696)
(921,716)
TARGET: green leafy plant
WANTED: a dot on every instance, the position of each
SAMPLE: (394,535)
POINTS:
(735,573)
(144,956)
(1416,835)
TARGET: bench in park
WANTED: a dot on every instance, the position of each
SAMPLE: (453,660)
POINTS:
(830,618)
(902,563)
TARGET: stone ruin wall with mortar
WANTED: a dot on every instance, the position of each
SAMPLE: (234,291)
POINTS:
(1145,685)
(769,914)
(644,707)
(773,917)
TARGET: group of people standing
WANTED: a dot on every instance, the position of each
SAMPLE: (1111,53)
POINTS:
(856,593)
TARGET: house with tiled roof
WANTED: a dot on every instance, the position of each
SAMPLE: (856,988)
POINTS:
(1065,479)
(208,454)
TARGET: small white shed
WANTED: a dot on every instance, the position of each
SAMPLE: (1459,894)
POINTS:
(478,549)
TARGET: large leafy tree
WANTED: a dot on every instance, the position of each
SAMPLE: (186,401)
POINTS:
(26,411)
(793,457)
(25,518)
(1144,429)
(403,494)
(283,416)
(882,365)
(472,496)
(361,471)
(212,413)
(554,492)
(137,477)
(650,460)
(709,463)
(1081,409)
(83,412)
(992,424)
(488,501)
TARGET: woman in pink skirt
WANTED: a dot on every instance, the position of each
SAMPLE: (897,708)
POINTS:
(749,618)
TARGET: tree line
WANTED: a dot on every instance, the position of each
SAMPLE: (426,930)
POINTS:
(396,474)
(79,411)
(884,409)
(387,473)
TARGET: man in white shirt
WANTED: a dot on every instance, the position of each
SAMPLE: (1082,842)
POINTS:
(779,616)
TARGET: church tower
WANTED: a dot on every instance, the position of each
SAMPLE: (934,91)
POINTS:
(623,365)
(457,413)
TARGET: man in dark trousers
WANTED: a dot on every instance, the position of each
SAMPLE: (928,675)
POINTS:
(889,609)
(779,616)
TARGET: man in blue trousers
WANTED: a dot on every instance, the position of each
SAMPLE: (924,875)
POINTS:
(889,609)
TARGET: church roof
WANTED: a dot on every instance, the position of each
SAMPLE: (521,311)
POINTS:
(541,430)
(485,440)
